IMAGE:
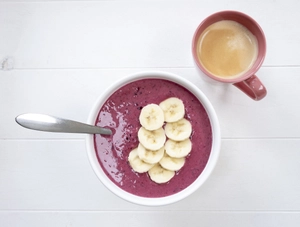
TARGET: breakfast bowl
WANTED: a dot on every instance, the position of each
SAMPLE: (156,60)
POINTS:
(120,108)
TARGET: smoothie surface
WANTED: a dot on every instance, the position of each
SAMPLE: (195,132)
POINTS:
(121,112)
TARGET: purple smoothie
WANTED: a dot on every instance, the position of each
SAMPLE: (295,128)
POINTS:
(121,113)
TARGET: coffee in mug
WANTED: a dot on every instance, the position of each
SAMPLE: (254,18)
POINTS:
(230,47)
(227,49)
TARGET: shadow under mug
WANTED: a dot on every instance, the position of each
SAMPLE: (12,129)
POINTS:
(248,82)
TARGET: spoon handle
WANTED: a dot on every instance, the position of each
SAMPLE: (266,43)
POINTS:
(48,123)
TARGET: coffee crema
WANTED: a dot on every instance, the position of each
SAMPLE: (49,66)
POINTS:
(227,49)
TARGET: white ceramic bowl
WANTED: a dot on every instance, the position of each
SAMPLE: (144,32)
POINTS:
(213,154)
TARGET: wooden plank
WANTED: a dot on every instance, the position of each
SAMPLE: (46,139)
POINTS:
(77,34)
(72,93)
(149,219)
(259,175)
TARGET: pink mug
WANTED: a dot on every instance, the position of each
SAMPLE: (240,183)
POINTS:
(247,81)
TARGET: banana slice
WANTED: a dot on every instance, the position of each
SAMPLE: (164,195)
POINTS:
(152,140)
(137,164)
(160,175)
(152,117)
(173,109)
(179,130)
(173,164)
(178,149)
(150,156)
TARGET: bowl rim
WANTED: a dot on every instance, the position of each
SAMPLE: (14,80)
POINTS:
(216,139)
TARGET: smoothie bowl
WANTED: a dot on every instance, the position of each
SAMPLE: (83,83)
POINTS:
(153,157)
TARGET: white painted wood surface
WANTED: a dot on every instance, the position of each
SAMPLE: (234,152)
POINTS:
(57,57)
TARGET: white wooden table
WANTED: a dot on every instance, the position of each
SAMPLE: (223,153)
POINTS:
(57,56)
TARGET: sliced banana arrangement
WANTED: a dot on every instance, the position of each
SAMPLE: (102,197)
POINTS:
(178,149)
(178,130)
(164,140)
(160,175)
(152,117)
(152,140)
(137,164)
(150,156)
(171,163)
(173,109)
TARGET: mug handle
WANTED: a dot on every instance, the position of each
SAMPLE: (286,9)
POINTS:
(252,87)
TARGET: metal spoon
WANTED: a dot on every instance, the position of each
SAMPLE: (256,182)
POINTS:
(48,123)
